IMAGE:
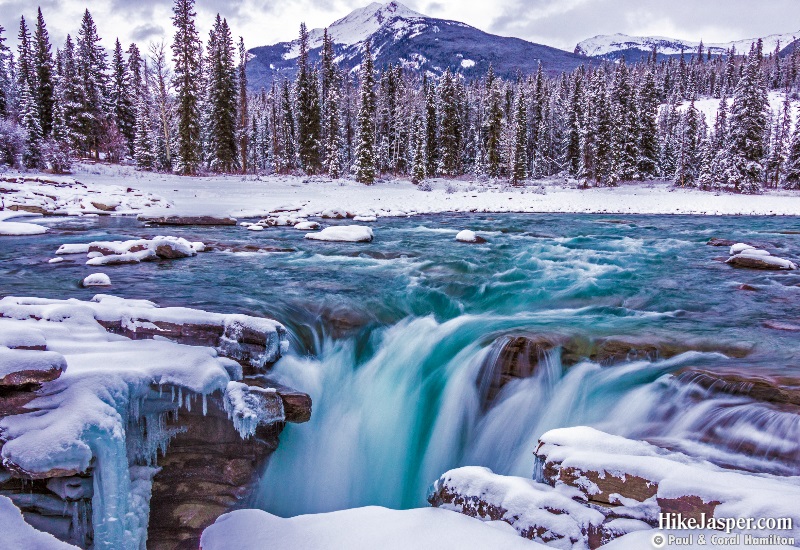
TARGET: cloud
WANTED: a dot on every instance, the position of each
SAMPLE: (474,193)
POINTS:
(147,32)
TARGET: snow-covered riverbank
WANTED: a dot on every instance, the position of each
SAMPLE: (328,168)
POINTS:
(252,196)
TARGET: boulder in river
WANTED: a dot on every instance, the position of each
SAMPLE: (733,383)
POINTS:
(187,220)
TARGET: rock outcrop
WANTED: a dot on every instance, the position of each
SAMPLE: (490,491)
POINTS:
(187,220)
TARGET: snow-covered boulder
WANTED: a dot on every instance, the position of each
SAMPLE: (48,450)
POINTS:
(97,279)
(307,226)
(188,220)
(468,236)
(740,247)
(760,259)
(343,233)
(21,367)
(638,480)
(365,219)
(134,251)
(536,511)
(255,227)
(28,338)
(17,229)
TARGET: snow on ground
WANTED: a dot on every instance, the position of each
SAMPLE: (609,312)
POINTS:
(258,197)
(18,535)
(361,529)
(708,106)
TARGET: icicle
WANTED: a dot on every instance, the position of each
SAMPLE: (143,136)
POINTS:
(205,404)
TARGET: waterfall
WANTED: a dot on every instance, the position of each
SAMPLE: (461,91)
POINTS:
(393,414)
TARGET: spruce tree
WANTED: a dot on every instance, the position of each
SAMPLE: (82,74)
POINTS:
(626,126)
(288,159)
(332,125)
(780,144)
(90,61)
(43,68)
(431,130)
(5,77)
(122,97)
(244,140)
(450,131)
(32,157)
(186,57)
(222,99)
(574,122)
(493,124)
(144,149)
(519,172)
(748,129)
(365,163)
(648,104)
(309,117)
(419,160)
(791,170)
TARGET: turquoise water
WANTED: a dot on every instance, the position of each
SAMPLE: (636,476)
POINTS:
(389,337)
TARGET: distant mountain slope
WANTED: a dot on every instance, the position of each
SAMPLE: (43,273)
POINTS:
(614,46)
(398,34)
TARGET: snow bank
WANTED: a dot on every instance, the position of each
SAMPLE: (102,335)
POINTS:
(19,535)
(15,229)
(343,233)
(97,279)
(359,529)
(66,196)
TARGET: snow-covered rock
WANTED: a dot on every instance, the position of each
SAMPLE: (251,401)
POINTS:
(365,219)
(759,260)
(307,226)
(134,251)
(249,407)
(469,236)
(740,247)
(639,480)
(97,279)
(255,227)
(360,529)
(536,511)
(19,367)
(16,229)
(343,233)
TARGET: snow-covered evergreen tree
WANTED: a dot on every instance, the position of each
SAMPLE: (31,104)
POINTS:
(43,68)
(308,111)
(420,158)
(186,58)
(222,99)
(791,170)
(365,165)
(748,129)
(450,131)
(519,171)
(122,97)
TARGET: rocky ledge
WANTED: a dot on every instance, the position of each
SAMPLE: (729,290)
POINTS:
(183,394)
(591,487)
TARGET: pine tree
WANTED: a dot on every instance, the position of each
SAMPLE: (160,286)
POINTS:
(450,132)
(648,103)
(791,171)
(122,98)
(419,161)
(626,125)
(431,130)
(90,61)
(493,124)
(5,77)
(244,140)
(519,172)
(748,129)
(309,116)
(222,99)
(30,121)
(43,67)
(186,57)
(780,142)
(365,162)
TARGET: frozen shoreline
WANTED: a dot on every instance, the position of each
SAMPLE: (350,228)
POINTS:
(250,196)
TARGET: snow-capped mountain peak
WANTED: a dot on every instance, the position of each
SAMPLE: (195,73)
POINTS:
(610,44)
(359,25)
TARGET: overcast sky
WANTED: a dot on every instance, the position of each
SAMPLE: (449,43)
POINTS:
(559,23)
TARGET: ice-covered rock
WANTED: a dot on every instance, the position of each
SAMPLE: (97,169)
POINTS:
(97,279)
(468,236)
(250,407)
(343,233)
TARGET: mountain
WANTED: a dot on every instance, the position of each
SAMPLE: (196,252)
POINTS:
(633,48)
(398,34)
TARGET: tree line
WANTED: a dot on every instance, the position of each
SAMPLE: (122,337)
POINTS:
(187,109)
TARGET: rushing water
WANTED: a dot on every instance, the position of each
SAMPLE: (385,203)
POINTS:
(389,338)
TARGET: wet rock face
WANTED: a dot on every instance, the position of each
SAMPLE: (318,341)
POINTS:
(207,471)
(779,390)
